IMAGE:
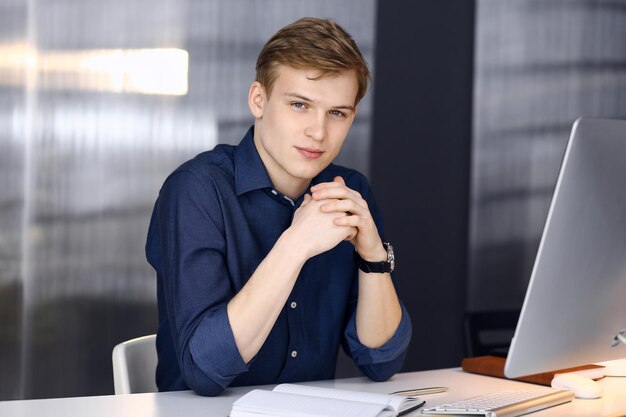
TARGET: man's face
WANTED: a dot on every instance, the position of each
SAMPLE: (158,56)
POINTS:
(300,128)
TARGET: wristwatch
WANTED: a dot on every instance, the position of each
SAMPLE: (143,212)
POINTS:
(378,267)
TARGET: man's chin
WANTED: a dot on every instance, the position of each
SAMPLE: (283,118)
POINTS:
(309,174)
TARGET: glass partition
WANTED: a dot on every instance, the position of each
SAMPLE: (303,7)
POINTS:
(99,101)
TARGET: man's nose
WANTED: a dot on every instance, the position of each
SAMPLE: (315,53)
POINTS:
(317,127)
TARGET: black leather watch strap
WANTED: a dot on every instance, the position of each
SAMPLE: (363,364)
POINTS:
(377,267)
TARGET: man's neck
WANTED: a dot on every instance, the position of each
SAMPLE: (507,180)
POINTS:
(291,190)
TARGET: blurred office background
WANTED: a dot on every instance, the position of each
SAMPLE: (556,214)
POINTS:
(461,136)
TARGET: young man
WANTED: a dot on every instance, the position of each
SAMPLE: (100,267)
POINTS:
(268,256)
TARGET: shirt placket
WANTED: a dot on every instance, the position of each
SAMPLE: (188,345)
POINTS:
(295,354)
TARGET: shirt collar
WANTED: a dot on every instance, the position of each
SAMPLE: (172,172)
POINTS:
(250,173)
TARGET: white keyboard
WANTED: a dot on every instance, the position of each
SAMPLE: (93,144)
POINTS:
(504,403)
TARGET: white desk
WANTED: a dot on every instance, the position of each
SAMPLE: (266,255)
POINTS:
(188,404)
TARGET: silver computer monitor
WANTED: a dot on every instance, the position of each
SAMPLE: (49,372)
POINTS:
(575,304)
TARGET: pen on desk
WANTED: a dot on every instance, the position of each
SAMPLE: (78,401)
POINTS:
(408,410)
(420,391)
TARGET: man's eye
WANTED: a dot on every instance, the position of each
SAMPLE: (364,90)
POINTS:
(338,113)
(298,105)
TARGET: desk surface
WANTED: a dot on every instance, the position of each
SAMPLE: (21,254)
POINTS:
(188,404)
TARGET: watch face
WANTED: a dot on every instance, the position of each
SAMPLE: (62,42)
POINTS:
(391,257)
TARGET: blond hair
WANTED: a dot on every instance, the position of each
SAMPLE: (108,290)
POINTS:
(319,44)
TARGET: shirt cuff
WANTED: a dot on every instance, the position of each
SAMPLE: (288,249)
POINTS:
(392,349)
(214,350)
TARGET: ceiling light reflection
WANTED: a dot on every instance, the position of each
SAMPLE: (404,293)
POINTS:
(144,71)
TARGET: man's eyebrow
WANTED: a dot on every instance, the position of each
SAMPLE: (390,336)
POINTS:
(299,96)
(346,107)
(308,100)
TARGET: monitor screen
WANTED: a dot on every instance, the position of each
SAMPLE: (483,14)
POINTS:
(575,304)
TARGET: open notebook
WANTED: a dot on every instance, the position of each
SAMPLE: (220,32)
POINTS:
(306,401)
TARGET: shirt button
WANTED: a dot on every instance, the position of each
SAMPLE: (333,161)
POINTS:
(274,192)
(294,353)
(294,304)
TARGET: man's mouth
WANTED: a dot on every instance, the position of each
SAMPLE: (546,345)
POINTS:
(310,152)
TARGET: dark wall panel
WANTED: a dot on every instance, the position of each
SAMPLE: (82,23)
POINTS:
(420,164)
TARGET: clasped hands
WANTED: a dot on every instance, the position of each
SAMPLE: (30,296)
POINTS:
(332,213)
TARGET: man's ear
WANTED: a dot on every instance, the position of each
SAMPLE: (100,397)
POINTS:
(256,99)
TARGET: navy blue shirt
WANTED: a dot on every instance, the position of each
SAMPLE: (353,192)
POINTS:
(216,218)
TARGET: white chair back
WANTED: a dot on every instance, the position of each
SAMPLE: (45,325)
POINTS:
(134,365)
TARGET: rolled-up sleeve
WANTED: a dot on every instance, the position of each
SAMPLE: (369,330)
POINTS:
(379,364)
(196,283)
